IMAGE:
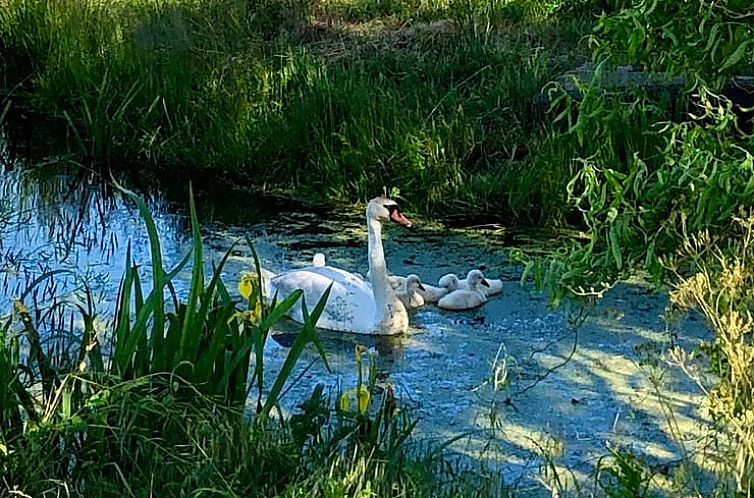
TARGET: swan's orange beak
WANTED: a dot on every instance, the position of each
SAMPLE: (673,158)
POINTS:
(398,217)
(485,282)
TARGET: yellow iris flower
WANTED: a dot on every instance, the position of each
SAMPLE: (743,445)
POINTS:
(362,395)
(246,284)
(246,288)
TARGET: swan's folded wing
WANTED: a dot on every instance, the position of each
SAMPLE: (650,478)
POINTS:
(350,306)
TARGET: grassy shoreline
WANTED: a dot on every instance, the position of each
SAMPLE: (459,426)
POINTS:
(173,397)
(338,100)
(333,101)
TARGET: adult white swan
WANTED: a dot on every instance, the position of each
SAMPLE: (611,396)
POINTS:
(353,305)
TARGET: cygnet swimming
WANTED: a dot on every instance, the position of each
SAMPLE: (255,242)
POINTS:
(464,299)
(452,282)
(410,293)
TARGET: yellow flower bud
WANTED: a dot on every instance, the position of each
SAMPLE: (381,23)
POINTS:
(345,403)
(363,396)
(256,314)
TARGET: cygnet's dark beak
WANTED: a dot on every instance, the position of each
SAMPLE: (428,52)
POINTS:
(485,282)
(421,287)
(397,216)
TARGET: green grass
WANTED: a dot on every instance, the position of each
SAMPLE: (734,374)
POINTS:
(170,399)
(335,100)
(332,100)
(139,438)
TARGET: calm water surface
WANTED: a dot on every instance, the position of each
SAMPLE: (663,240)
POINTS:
(482,373)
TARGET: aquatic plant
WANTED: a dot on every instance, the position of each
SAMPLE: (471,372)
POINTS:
(203,346)
(721,290)
(259,92)
(144,408)
(205,341)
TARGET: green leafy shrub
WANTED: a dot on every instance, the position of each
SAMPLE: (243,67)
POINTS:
(624,475)
(706,41)
(640,163)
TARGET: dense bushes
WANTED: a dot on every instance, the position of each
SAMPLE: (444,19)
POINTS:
(646,163)
(665,186)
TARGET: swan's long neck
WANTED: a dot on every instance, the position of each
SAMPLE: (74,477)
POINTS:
(378,269)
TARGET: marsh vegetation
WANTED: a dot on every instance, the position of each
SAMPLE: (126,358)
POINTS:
(460,106)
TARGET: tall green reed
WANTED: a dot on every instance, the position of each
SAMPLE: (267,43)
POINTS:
(205,340)
(72,415)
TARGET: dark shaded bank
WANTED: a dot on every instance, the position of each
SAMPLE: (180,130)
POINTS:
(313,101)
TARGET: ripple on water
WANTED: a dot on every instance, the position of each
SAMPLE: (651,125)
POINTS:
(486,373)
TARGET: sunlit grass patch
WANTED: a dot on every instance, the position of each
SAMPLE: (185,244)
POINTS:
(274,93)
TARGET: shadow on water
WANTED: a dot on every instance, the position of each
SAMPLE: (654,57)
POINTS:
(505,375)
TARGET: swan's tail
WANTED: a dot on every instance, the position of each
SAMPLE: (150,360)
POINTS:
(267,276)
(318,259)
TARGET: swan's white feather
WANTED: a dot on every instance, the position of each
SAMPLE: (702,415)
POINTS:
(350,306)
(451,282)
(462,299)
(353,305)
(471,297)
(430,294)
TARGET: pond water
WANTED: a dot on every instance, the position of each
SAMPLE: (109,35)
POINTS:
(504,379)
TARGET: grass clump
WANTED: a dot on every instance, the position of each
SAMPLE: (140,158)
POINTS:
(145,437)
(158,401)
(721,290)
(142,437)
(333,100)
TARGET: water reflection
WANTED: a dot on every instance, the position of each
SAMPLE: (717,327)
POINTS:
(61,219)
(388,349)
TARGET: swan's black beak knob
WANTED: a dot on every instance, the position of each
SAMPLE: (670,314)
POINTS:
(421,287)
(485,282)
